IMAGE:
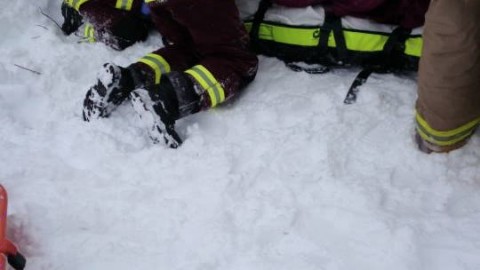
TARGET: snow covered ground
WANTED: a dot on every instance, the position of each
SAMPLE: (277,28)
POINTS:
(285,177)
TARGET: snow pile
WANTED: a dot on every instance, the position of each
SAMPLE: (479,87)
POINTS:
(284,177)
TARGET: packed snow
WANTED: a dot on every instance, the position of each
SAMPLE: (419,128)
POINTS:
(283,177)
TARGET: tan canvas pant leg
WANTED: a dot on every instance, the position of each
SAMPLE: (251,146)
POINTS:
(448,105)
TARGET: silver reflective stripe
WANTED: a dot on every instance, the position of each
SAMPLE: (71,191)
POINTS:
(124,4)
(211,84)
(159,64)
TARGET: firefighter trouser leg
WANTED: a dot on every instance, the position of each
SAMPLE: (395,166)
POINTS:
(448,105)
(209,43)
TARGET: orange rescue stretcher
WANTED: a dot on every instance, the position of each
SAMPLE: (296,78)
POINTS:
(8,251)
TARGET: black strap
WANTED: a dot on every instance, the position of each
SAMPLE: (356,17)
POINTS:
(325,31)
(361,78)
(341,45)
(263,6)
(394,48)
(392,51)
(333,23)
(17,261)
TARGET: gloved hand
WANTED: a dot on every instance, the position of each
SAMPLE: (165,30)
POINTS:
(72,19)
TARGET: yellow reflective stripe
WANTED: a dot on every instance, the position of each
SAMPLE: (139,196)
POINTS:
(149,1)
(89,33)
(413,46)
(124,4)
(75,3)
(436,141)
(355,40)
(209,83)
(445,138)
(364,41)
(157,63)
(287,34)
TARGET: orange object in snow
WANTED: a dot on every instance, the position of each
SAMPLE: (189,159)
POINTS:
(15,259)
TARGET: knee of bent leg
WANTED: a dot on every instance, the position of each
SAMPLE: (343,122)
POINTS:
(129,31)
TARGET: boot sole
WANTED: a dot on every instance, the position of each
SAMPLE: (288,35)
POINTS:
(157,131)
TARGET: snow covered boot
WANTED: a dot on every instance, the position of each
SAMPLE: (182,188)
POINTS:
(161,105)
(113,86)
(72,19)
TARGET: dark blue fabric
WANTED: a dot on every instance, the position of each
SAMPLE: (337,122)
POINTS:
(145,10)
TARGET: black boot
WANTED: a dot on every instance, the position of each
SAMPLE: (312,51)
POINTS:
(72,19)
(161,105)
(113,86)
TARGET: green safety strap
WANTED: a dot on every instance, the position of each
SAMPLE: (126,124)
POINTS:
(309,36)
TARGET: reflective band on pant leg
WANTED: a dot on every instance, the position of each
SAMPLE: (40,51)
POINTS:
(209,83)
(75,3)
(89,33)
(157,63)
(445,138)
(149,1)
(124,4)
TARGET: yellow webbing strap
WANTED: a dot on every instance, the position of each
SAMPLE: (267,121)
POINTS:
(89,33)
(157,63)
(124,4)
(444,138)
(355,40)
(209,83)
(75,3)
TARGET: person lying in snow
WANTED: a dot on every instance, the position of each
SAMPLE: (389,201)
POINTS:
(448,104)
(204,63)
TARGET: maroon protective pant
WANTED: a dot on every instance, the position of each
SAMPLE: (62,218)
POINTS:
(207,33)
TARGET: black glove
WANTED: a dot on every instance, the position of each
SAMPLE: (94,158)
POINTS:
(72,19)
